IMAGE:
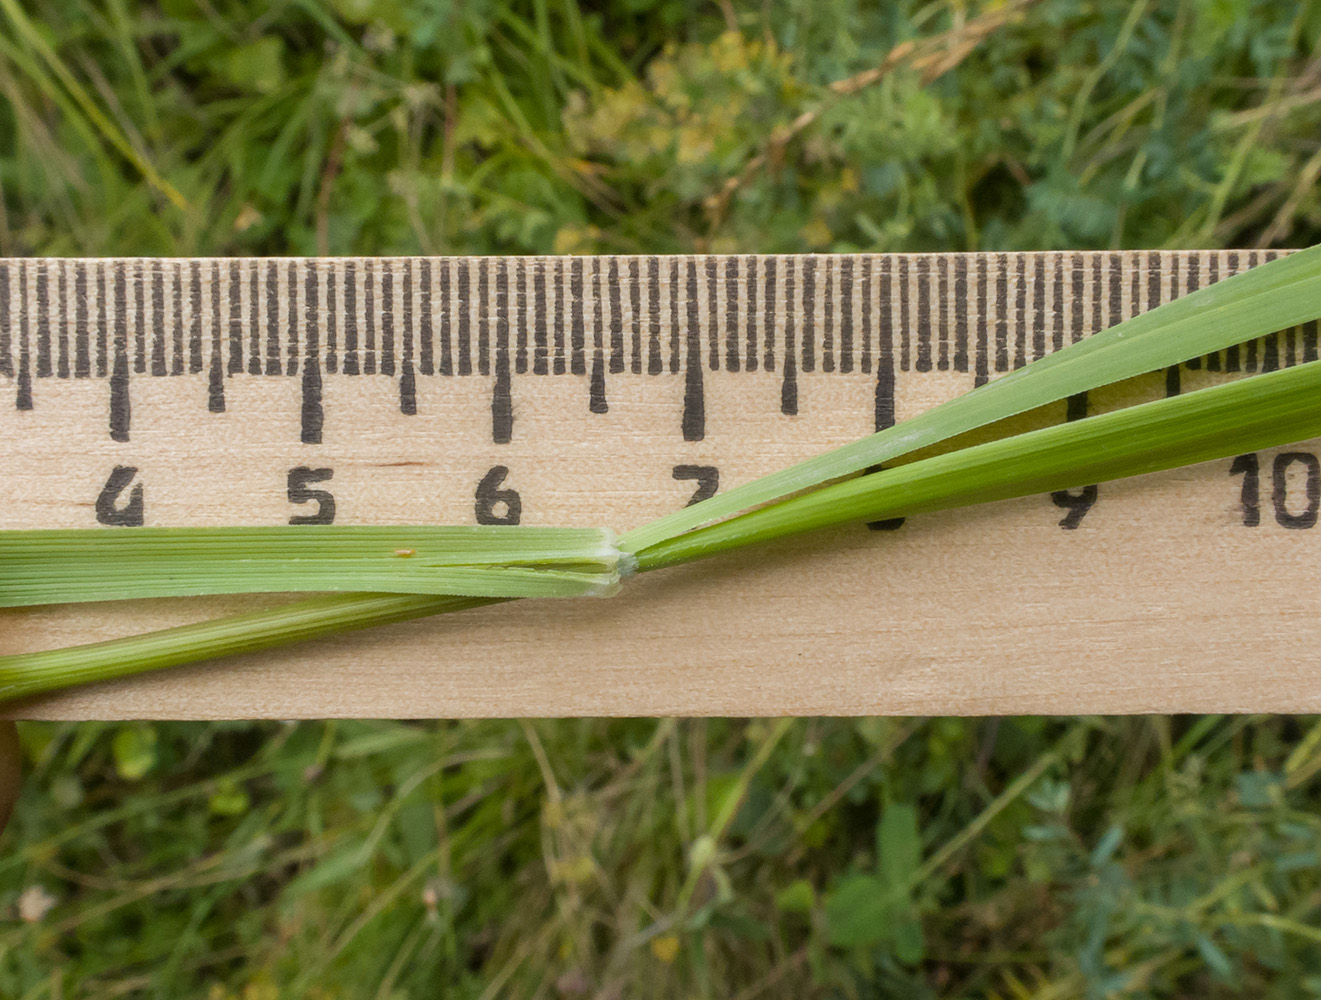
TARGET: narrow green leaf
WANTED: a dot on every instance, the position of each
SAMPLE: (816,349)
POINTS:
(1259,412)
(104,124)
(898,847)
(1215,959)
(1247,415)
(49,567)
(342,863)
(1216,422)
(26,674)
(1268,298)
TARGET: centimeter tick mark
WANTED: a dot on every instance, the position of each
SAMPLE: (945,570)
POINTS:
(502,410)
(694,410)
(313,416)
(616,304)
(789,383)
(596,401)
(120,410)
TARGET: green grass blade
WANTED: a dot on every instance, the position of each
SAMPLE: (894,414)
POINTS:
(1246,415)
(1268,298)
(23,675)
(50,567)
(1241,416)
(108,129)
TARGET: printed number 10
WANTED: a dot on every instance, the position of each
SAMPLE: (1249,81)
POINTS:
(1249,467)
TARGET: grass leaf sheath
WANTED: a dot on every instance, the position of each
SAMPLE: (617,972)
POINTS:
(49,567)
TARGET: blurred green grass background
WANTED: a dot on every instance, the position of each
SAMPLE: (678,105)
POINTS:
(1009,858)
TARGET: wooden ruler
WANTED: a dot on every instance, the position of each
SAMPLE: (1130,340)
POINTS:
(609,390)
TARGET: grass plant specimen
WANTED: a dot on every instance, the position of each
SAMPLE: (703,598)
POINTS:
(395,574)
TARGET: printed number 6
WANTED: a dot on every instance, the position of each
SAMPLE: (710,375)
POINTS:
(489,495)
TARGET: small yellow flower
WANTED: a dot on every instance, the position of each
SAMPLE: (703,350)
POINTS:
(665,947)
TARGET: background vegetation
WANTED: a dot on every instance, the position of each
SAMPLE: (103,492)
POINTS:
(1015,858)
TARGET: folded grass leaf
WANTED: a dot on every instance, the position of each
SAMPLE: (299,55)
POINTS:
(51,567)
(1274,296)
(1215,422)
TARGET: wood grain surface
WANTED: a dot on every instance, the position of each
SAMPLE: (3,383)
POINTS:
(1160,599)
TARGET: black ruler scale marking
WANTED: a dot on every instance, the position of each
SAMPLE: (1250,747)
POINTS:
(138,314)
(1038,326)
(82,346)
(62,319)
(194,319)
(426,329)
(808,327)
(234,302)
(483,318)
(502,410)
(981,321)
(596,397)
(369,316)
(868,311)
(712,323)
(176,323)
(407,371)
(694,411)
(6,322)
(540,320)
(215,370)
(1020,285)
(577,340)
(789,385)
(827,314)
(616,307)
(584,317)
(1000,305)
(120,410)
(385,311)
(349,313)
(733,289)
(254,321)
(636,319)
(922,267)
(313,416)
